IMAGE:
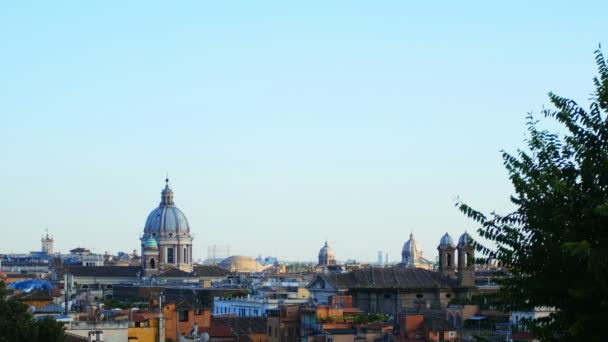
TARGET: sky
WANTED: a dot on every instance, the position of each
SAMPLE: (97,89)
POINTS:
(280,123)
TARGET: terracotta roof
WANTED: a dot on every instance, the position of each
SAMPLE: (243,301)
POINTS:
(209,271)
(216,330)
(34,295)
(138,318)
(396,277)
(104,271)
(241,325)
(175,273)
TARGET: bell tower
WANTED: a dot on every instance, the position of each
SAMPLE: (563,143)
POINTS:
(150,257)
(466,260)
(447,256)
(48,244)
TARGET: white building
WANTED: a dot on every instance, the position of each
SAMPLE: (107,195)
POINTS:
(518,317)
(249,306)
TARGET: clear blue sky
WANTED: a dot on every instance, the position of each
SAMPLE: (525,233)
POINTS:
(281,123)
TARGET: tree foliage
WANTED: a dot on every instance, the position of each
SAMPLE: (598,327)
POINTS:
(17,324)
(555,243)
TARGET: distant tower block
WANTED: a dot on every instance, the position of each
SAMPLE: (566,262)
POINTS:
(217,253)
(386,261)
(47,244)
(379,257)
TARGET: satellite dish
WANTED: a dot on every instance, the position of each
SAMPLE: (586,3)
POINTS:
(205,337)
(31,309)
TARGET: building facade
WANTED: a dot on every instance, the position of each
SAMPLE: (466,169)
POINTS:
(168,227)
(411,255)
(326,255)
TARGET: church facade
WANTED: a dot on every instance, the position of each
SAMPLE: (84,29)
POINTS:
(389,290)
(167,240)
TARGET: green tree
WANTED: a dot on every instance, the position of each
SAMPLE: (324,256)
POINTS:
(17,324)
(555,243)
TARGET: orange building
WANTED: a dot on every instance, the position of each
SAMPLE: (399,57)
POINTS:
(283,324)
(37,298)
(415,326)
(180,318)
(143,329)
(337,316)
(233,328)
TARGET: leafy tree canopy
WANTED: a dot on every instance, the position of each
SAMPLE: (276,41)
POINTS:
(17,324)
(556,241)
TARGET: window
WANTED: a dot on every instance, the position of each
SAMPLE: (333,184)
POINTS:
(170,256)
(183,315)
(470,260)
(419,295)
(185,255)
(198,312)
(448,295)
(152,263)
(269,331)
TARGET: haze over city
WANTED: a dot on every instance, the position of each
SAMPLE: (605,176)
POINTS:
(280,125)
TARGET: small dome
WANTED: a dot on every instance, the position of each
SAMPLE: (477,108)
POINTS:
(446,241)
(239,263)
(411,252)
(167,217)
(151,243)
(326,251)
(465,239)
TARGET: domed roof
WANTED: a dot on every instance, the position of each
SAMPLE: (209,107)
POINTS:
(240,263)
(326,250)
(465,239)
(411,252)
(446,241)
(151,243)
(167,217)
(411,247)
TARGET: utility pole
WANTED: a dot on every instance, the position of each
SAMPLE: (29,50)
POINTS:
(66,288)
(161,327)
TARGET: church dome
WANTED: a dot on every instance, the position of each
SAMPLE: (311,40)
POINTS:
(151,243)
(411,252)
(465,239)
(240,263)
(167,217)
(446,241)
(326,252)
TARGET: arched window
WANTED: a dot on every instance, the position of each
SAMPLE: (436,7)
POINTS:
(185,255)
(469,260)
(152,263)
(449,259)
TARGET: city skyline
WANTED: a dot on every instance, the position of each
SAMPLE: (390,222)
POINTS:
(281,125)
